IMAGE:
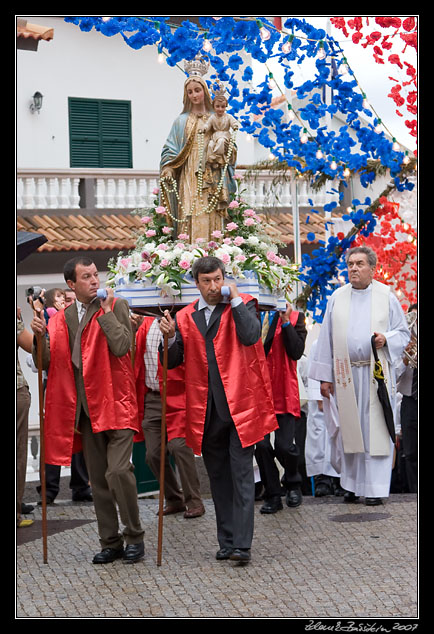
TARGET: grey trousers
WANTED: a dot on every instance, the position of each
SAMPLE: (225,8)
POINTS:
(184,459)
(111,473)
(23,406)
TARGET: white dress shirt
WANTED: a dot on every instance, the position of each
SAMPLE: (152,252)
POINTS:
(236,301)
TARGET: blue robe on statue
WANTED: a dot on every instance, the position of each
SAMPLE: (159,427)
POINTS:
(182,152)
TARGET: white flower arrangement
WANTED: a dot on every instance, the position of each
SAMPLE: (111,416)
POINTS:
(163,260)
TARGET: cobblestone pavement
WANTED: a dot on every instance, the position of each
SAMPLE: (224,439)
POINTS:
(322,560)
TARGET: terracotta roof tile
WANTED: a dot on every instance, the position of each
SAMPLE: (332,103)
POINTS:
(34,31)
(119,231)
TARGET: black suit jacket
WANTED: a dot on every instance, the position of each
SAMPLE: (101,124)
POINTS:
(248,328)
(293,337)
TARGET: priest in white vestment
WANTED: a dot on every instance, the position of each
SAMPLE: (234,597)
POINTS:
(344,363)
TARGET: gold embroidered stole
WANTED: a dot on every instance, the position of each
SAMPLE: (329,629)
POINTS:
(349,419)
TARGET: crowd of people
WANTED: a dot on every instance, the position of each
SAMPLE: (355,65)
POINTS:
(241,392)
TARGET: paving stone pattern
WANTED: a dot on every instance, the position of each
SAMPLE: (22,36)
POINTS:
(324,559)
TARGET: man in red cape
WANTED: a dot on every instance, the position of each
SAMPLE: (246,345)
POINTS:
(284,345)
(148,375)
(91,401)
(229,402)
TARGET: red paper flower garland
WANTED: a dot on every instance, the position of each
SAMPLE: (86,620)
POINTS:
(396,248)
(381,43)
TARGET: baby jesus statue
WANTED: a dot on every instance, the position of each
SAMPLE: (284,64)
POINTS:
(220,125)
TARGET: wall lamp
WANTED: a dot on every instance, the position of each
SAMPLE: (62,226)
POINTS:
(36,104)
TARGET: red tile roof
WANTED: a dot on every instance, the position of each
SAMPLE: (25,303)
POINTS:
(34,31)
(118,231)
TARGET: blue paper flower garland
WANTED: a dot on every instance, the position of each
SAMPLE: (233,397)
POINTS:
(304,142)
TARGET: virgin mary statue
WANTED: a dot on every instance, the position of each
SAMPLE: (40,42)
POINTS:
(195,194)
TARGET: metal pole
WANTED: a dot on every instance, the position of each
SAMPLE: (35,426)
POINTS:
(296,225)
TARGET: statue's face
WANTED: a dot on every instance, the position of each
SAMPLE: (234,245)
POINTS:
(195,93)
(219,108)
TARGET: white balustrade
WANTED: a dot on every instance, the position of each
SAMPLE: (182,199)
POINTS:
(40,192)
(125,193)
(51,190)
(51,184)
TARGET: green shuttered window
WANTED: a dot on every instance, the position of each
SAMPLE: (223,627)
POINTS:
(100,133)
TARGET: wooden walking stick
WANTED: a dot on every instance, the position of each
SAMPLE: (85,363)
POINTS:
(163,450)
(42,448)
(41,439)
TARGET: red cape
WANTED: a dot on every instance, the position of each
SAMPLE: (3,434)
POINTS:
(175,390)
(244,374)
(283,373)
(108,382)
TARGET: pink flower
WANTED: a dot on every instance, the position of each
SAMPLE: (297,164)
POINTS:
(234,204)
(238,176)
(125,262)
(249,212)
(183,236)
(167,230)
(156,191)
(212,244)
(165,262)
(145,255)
(146,219)
(225,258)
(217,234)
(240,258)
(238,240)
(160,210)
(271,256)
(163,247)
(249,222)
(232,225)
(184,264)
(145,266)
(150,233)
(227,241)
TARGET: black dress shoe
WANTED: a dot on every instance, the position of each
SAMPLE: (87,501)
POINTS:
(82,497)
(294,498)
(48,500)
(26,508)
(224,553)
(337,489)
(373,501)
(272,505)
(108,555)
(134,552)
(350,497)
(321,490)
(240,554)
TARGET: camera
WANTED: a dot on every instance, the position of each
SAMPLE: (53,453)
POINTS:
(33,293)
